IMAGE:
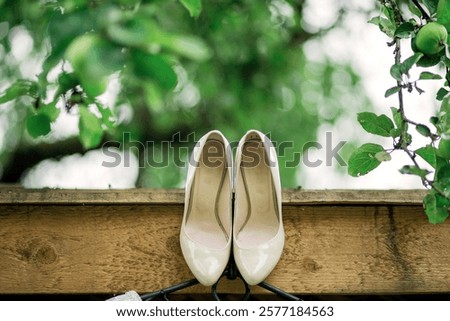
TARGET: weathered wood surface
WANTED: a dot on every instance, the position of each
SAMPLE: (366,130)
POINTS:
(337,242)
(10,195)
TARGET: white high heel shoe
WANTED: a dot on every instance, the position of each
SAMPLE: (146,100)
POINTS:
(205,235)
(258,234)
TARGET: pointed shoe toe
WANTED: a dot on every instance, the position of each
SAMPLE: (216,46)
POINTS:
(258,233)
(205,235)
(206,264)
(255,264)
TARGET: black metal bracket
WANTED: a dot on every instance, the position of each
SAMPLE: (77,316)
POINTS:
(163,293)
(231,273)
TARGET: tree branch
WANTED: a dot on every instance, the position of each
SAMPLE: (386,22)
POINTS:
(403,145)
(422,10)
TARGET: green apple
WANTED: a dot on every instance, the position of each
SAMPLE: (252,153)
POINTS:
(426,60)
(414,45)
(431,38)
(444,148)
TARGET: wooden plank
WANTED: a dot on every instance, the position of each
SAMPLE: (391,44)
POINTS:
(18,195)
(355,248)
(364,197)
(21,196)
(364,250)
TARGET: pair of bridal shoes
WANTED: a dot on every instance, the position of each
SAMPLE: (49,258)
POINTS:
(213,228)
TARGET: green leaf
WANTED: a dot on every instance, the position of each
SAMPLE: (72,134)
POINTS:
(446,61)
(434,120)
(443,174)
(391,91)
(91,131)
(413,170)
(154,97)
(425,75)
(440,163)
(38,125)
(423,130)
(50,62)
(66,81)
(443,149)
(389,13)
(383,156)
(108,118)
(363,159)
(443,13)
(409,62)
(442,201)
(442,92)
(143,33)
(154,67)
(397,117)
(429,61)
(378,125)
(405,30)
(62,29)
(396,132)
(387,27)
(396,72)
(140,32)
(414,10)
(50,110)
(436,212)
(445,105)
(92,56)
(93,60)
(94,87)
(128,3)
(193,6)
(408,139)
(428,153)
(431,5)
(375,21)
(443,124)
(19,88)
(189,46)
(402,126)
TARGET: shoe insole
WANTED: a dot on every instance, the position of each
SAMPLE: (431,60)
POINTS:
(260,222)
(210,198)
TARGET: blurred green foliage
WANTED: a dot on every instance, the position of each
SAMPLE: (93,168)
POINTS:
(183,66)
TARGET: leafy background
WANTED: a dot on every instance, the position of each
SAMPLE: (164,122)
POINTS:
(424,27)
(76,74)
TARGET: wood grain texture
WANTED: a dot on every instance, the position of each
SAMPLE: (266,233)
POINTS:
(331,248)
(18,195)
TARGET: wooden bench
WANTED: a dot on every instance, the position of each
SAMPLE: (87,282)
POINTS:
(111,241)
